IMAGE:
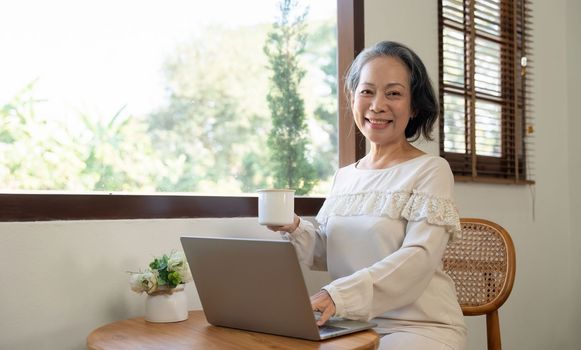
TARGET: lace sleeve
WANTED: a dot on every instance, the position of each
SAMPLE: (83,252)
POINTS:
(398,204)
(375,203)
(435,210)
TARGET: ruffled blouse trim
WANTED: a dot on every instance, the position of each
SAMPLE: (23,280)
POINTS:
(415,206)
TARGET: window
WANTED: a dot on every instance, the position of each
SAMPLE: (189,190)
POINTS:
(486,129)
(66,205)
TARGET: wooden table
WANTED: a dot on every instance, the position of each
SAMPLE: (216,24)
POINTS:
(197,333)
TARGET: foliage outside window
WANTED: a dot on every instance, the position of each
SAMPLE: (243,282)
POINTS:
(288,140)
(225,90)
(49,157)
(486,131)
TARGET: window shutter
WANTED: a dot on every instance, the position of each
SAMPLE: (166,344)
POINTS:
(485,128)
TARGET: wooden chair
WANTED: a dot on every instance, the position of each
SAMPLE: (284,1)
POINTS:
(482,265)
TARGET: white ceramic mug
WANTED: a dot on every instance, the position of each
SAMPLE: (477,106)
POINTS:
(276,207)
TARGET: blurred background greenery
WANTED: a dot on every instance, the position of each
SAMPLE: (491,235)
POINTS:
(224,93)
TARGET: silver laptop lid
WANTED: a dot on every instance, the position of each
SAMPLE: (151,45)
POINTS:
(254,285)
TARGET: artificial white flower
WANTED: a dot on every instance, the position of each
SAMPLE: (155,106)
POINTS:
(143,282)
(135,283)
(176,262)
(187,274)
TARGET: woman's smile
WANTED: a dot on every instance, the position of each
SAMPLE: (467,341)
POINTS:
(376,123)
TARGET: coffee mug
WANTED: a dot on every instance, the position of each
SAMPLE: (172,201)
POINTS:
(276,207)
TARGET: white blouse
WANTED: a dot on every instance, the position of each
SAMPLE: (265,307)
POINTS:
(382,234)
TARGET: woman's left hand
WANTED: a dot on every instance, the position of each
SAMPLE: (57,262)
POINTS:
(323,303)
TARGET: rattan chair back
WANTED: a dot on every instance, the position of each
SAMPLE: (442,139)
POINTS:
(482,265)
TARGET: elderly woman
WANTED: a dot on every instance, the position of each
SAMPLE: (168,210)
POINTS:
(384,227)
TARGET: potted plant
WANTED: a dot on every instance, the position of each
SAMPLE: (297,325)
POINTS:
(164,283)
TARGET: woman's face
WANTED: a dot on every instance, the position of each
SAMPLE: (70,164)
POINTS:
(381,103)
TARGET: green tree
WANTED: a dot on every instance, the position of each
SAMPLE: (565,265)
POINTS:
(211,132)
(288,142)
(35,153)
(321,54)
(40,153)
(215,117)
(118,154)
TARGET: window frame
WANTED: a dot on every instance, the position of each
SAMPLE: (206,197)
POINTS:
(512,166)
(114,206)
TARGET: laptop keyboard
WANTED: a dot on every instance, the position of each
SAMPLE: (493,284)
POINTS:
(329,329)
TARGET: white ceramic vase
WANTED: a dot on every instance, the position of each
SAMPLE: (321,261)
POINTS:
(170,305)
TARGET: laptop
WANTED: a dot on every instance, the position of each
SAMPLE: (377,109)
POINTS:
(257,285)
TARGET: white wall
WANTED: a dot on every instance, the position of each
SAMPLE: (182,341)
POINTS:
(60,280)
(573,86)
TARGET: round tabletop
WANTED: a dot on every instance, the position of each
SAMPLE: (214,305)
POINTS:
(197,333)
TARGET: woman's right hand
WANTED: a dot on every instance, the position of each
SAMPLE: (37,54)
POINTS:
(286,228)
